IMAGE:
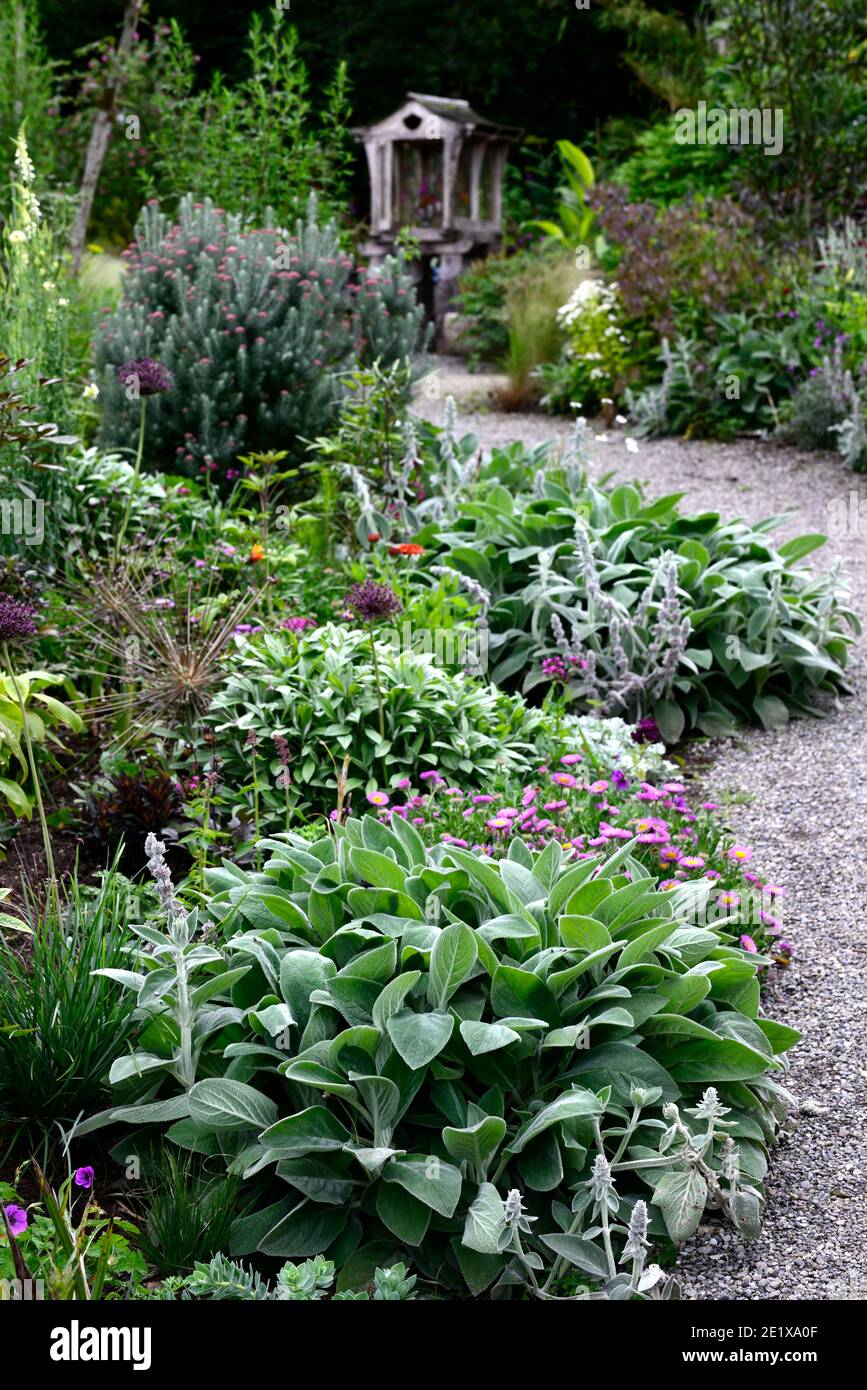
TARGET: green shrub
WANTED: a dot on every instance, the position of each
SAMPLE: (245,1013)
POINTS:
(320,692)
(700,622)
(492,1071)
(256,329)
(595,363)
(664,172)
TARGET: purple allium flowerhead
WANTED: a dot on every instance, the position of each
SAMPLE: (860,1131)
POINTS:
(646,731)
(83,1177)
(17,619)
(147,377)
(17,1218)
(371,602)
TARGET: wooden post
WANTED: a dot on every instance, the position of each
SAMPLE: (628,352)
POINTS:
(100,135)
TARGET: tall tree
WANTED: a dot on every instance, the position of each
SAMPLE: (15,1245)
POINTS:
(100,135)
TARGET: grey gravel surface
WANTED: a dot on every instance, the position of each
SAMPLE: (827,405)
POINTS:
(801,803)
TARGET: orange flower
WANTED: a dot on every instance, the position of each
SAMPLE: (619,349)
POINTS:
(257,553)
(406,548)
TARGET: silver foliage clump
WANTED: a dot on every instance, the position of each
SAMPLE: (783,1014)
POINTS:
(623,658)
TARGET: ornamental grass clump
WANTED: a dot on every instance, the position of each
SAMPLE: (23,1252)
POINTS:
(502,1073)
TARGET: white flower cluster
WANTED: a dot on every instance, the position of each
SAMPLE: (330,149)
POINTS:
(613,746)
(591,297)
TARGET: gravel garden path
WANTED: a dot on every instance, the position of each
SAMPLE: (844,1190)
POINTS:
(802,805)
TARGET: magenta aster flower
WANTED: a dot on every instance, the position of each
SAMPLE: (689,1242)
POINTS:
(378,798)
(564,779)
(749,945)
(739,854)
(298,624)
(150,378)
(17,1218)
(648,793)
(598,787)
(16,619)
(692,861)
(569,760)
(728,900)
(499,823)
(482,799)
(669,854)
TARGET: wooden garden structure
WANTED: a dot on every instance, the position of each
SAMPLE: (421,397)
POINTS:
(436,169)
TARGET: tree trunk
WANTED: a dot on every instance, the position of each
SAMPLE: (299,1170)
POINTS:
(100,135)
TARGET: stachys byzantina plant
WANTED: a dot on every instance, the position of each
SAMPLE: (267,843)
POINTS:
(500,1073)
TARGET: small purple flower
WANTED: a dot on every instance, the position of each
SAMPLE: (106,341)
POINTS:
(298,624)
(371,602)
(83,1177)
(619,779)
(16,619)
(646,731)
(17,1218)
(149,378)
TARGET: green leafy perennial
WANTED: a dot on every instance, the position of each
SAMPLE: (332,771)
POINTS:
(492,1071)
